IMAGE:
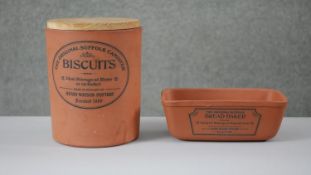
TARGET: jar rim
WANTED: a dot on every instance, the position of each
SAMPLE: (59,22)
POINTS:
(96,23)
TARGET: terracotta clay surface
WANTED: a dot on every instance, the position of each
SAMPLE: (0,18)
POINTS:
(233,114)
(94,82)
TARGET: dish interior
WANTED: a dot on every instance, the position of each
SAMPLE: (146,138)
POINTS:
(223,95)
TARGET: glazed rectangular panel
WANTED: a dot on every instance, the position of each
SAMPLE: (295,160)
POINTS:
(223,114)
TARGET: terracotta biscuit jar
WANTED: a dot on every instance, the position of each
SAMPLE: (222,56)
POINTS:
(233,114)
(94,72)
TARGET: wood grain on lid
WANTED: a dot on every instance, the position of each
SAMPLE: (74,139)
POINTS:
(93,23)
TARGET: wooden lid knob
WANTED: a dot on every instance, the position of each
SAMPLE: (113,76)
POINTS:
(93,23)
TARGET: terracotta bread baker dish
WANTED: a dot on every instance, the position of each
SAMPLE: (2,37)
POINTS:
(235,114)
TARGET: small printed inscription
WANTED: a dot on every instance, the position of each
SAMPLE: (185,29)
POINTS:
(90,74)
(226,122)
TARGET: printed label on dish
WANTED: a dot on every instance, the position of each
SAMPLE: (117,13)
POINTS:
(225,122)
(90,74)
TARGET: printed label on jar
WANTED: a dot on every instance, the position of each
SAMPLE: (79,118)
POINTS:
(224,122)
(90,74)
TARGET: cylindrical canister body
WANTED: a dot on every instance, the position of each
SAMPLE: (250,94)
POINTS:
(94,74)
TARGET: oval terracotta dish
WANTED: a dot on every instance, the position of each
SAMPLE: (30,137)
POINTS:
(94,70)
(233,114)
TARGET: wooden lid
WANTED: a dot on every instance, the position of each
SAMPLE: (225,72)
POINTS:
(93,23)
